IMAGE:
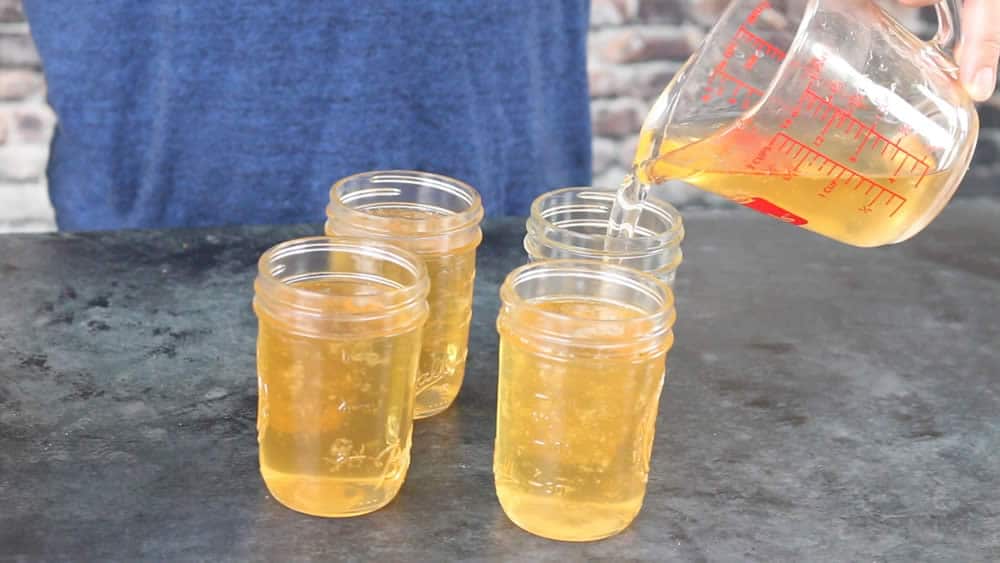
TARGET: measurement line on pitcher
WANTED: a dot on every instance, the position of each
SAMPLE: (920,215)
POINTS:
(759,9)
(805,156)
(823,108)
(760,45)
(741,90)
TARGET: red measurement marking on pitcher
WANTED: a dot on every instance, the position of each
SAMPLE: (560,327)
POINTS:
(807,161)
(761,47)
(823,109)
(730,82)
(723,84)
(761,205)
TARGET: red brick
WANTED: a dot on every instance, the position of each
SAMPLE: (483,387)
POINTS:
(661,11)
(626,151)
(11,11)
(17,84)
(605,154)
(22,163)
(605,13)
(649,79)
(25,207)
(610,178)
(609,80)
(616,118)
(646,44)
(707,12)
(17,50)
(33,123)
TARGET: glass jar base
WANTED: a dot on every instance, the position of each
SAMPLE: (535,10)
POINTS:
(434,401)
(315,496)
(570,522)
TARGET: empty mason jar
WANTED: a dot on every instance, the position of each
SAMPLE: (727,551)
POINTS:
(437,218)
(573,223)
(583,349)
(337,350)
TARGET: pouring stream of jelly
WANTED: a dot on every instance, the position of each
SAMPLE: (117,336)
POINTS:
(627,207)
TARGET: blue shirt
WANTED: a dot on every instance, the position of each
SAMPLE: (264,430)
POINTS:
(209,112)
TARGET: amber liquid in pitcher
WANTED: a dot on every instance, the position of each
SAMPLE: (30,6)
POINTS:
(860,197)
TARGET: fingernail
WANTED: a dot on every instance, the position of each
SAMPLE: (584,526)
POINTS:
(983,84)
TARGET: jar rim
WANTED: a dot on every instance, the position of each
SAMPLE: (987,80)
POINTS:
(539,224)
(660,321)
(395,296)
(431,226)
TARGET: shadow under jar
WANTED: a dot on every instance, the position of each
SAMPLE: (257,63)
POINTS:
(573,223)
(438,219)
(583,349)
(337,349)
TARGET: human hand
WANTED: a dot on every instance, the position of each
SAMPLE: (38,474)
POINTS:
(980,47)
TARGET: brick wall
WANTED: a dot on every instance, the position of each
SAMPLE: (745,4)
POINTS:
(26,125)
(635,47)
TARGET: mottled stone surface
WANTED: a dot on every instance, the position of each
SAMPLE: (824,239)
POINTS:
(823,403)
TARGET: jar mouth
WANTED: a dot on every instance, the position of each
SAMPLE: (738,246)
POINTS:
(366,279)
(576,219)
(528,286)
(408,203)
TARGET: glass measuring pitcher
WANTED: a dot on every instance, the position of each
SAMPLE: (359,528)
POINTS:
(826,114)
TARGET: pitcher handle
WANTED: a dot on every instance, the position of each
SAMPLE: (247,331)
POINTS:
(949,32)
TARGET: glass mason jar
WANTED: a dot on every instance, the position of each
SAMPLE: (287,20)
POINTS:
(573,223)
(583,349)
(437,218)
(340,324)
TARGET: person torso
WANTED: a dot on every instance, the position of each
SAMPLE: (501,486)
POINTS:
(178,113)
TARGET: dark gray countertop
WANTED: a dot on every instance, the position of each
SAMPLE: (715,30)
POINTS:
(823,403)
